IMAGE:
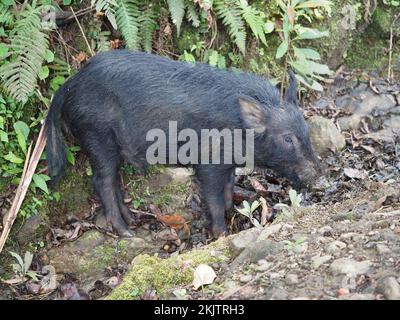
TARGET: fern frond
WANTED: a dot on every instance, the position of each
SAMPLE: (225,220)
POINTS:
(192,14)
(6,17)
(108,7)
(254,20)
(103,41)
(148,25)
(177,10)
(28,48)
(230,13)
(127,16)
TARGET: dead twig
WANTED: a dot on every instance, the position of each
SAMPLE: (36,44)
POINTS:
(389,76)
(83,33)
(31,162)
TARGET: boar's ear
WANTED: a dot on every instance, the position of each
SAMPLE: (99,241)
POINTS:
(291,91)
(253,114)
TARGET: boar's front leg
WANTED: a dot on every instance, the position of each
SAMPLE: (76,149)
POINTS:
(212,181)
(228,189)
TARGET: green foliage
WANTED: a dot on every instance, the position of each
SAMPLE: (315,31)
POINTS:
(127,17)
(248,211)
(148,25)
(230,13)
(27,52)
(21,268)
(302,60)
(177,9)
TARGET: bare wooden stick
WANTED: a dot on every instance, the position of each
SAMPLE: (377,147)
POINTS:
(389,77)
(31,162)
(83,33)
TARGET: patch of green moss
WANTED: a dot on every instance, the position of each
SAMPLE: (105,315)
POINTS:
(163,274)
(75,189)
(376,57)
(102,257)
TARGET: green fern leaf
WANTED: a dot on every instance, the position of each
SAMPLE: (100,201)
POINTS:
(108,6)
(230,13)
(147,27)
(192,14)
(177,10)
(28,50)
(254,20)
(127,18)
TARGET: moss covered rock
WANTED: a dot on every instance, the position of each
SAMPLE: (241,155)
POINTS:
(165,274)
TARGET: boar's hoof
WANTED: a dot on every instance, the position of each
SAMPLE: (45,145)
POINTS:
(218,231)
(121,228)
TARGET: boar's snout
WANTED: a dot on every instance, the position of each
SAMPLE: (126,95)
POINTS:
(309,173)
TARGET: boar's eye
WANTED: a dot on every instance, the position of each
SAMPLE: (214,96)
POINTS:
(288,139)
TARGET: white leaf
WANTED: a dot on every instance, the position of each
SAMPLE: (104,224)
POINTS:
(203,275)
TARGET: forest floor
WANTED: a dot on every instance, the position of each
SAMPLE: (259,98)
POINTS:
(343,242)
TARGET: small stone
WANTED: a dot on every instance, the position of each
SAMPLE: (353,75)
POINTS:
(324,135)
(275,275)
(335,246)
(269,231)
(326,231)
(382,224)
(291,279)
(181,175)
(389,287)
(317,261)
(382,249)
(263,267)
(246,278)
(349,267)
(244,239)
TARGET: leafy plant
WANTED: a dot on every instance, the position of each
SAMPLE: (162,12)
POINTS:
(294,246)
(248,211)
(289,211)
(27,51)
(303,60)
(21,268)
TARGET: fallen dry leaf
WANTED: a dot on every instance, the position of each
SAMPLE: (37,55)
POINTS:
(342,292)
(355,173)
(258,187)
(265,212)
(80,57)
(379,203)
(203,275)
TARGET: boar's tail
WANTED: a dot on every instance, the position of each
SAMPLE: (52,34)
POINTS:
(55,153)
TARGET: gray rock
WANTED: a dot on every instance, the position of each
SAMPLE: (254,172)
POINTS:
(244,239)
(325,136)
(371,102)
(246,278)
(181,175)
(349,267)
(291,279)
(389,287)
(326,231)
(317,261)
(335,246)
(29,229)
(269,231)
(382,249)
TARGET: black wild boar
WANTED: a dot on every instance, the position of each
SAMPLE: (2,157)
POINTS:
(112,103)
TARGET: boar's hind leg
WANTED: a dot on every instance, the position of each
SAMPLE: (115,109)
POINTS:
(212,186)
(104,160)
